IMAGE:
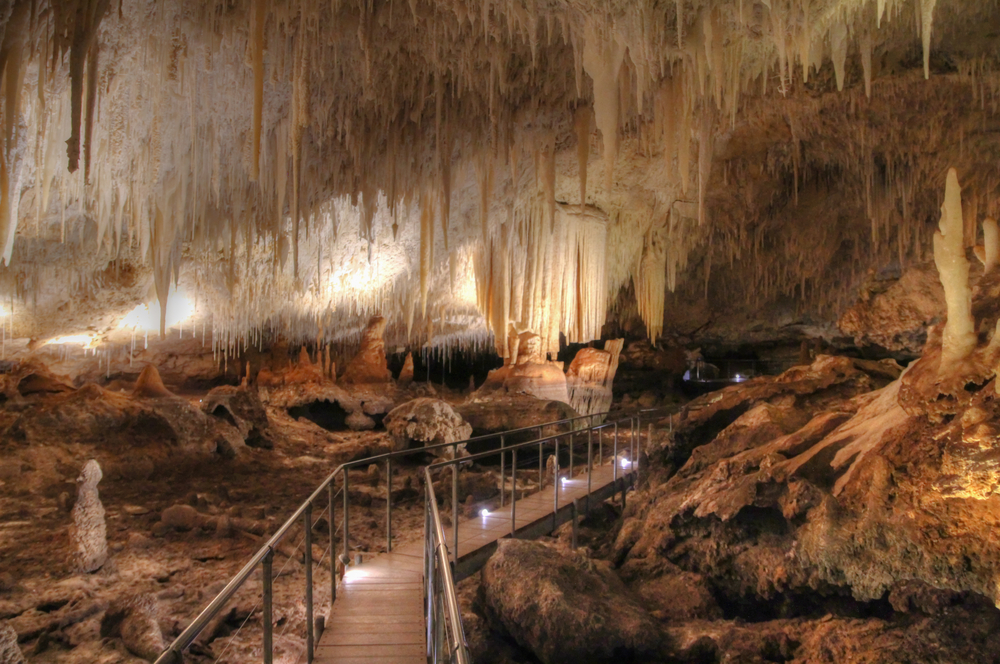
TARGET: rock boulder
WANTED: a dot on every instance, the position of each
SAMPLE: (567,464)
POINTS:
(564,607)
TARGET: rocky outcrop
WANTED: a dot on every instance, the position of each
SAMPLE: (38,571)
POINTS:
(365,393)
(507,412)
(241,407)
(424,422)
(590,375)
(134,619)
(90,533)
(893,311)
(564,607)
(369,365)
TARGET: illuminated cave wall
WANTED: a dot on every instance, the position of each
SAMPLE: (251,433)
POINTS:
(470,168)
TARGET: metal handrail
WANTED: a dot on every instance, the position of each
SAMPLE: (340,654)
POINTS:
(441,599)
(265,555)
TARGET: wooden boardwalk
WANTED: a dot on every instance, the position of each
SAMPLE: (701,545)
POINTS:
(379,613)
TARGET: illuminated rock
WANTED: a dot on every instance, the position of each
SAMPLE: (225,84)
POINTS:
(406,373)
(427,422)
(959,337)
(369,365)
(590,375)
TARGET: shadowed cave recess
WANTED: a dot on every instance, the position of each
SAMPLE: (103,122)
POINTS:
(245,241)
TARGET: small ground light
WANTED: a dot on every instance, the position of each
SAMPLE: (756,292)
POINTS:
(625,463)
(484,512)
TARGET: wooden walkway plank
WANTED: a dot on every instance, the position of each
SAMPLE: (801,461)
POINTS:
(379,613)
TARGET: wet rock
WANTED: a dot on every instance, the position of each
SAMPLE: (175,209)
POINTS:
(89,529)
(10,653)
(135,619)
(563,607)
(424,422)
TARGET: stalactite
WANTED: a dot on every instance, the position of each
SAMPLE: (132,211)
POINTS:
(602,60)
(581,123)
(88,16)
(257,58)
(926,23)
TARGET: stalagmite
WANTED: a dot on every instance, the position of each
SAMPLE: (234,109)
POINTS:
(959,339)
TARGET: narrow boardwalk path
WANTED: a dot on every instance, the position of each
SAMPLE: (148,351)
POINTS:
(379,614)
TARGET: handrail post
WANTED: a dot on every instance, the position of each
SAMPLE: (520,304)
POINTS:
(614,459)
(268,621)
(513,493)
(600,447)
(347,545)
(388,505)
(555,483)
(429,554)
(576,512)
(590,466)
(333,551)
(310,635)
(454,508)
(572,442)
(541,467)
(503,471)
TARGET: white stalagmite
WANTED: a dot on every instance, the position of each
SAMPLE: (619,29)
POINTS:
(959,339)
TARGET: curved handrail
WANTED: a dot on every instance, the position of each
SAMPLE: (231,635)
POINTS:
(184,640)
(442,599)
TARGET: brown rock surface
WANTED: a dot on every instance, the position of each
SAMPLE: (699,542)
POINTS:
(894,313)
(564,607)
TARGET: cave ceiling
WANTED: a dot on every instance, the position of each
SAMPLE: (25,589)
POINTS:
(245,169)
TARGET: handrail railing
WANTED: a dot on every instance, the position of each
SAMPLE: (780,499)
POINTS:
(444,629)
(265,555)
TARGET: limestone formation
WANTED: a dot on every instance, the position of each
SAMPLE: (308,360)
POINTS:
(406,373)
(240,406)
(134,618)
(953,267)
(10,652)
(427,422)
(89,529)
(590,376)
(369,365)
(150,385)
